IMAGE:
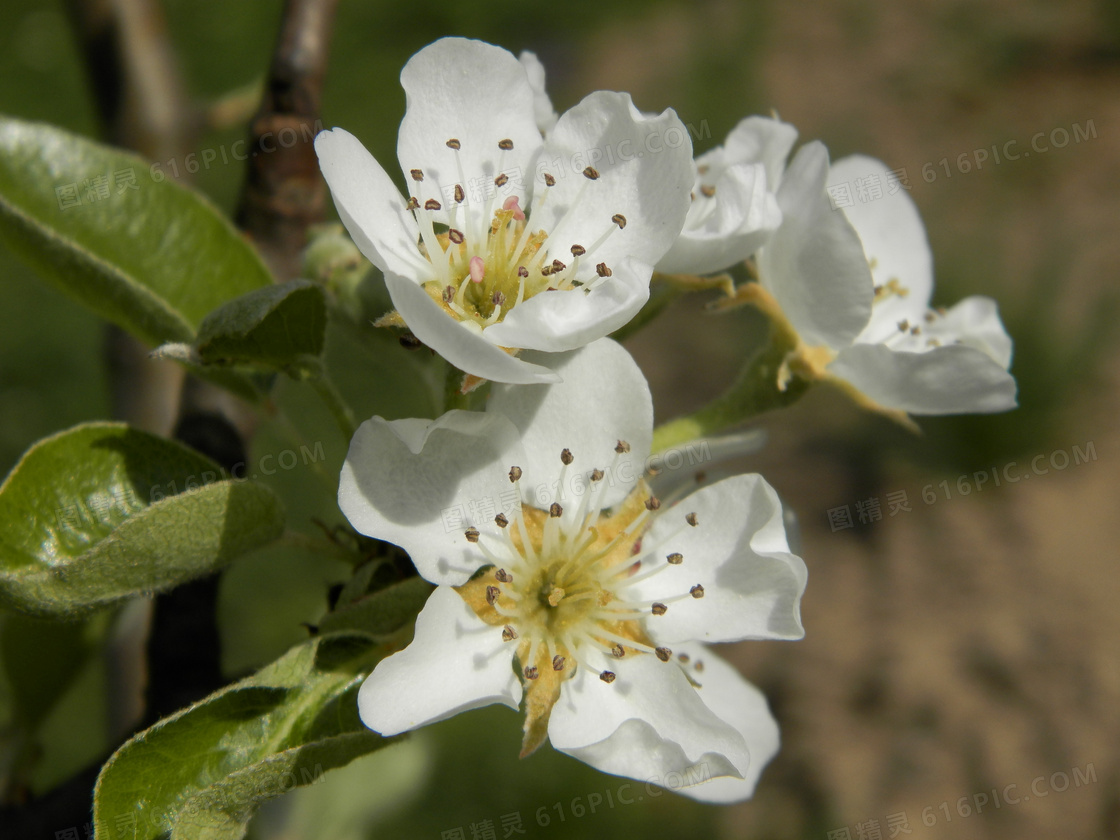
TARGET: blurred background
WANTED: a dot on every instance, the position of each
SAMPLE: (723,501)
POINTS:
(960,675)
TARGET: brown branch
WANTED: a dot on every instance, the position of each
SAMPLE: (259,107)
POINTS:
(142,103)
(284,193)
(135,76)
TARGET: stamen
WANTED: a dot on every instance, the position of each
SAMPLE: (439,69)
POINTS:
(614,637)
(503,576)
(602,270)
(413,204)
(558,663)
(456,236)
(472,535)
(505,145)
(549,181)
(508,634)
(659,609)
(676,558)
(432,204)
(692,520)
(697,591)
(566,457)
(522,273)
(555,511)
(591,173)
(417,174)
(531,673)
(454,144)
(514,474)
(663,653)
(622,447)
(448,294)
(492,593)
(607,676)
(708,191)
(619,220)
(459,194)
(578,250)
(501,180)
(617,651)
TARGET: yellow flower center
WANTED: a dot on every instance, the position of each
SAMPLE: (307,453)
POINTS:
(486,259)
(557,586)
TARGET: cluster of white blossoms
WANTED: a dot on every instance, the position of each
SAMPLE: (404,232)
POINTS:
(854,284)
(524,240)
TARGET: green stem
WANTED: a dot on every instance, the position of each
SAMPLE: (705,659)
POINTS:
(329,394)
(755,391)
(453,397)
(661,295)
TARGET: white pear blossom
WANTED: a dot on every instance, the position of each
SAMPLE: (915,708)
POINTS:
(564,585)
(856,282)
(543,111)
(734,207)
(506,241)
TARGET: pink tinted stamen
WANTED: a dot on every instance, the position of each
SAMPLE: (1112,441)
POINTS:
(478,269)
(511,203)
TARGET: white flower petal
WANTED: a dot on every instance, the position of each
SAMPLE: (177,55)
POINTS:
(975,321)
(456,662)
(602,399)
(542,105)
(814,263)
(761,140)
(738,552)
(648,724)
(645,174)
(369,205)
(466,348)
(564,320)
(736,701)
(742,215)
(894,241)
(951,379)
(480,95)
(418,483)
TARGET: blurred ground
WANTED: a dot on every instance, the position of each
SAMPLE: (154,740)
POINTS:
(970,644)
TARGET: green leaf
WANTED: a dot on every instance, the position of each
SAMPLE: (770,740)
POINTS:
(98,223)
(103,512)
(251,386)
(277,326)
(380,612)
(202,772)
